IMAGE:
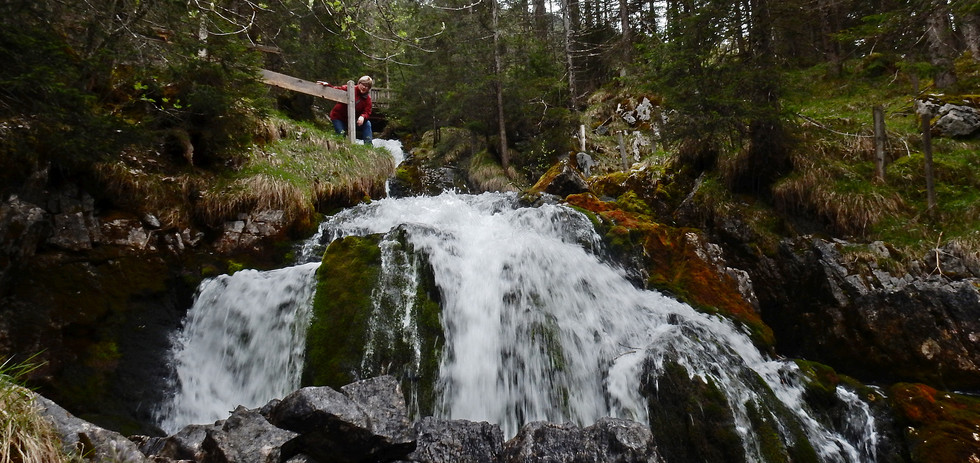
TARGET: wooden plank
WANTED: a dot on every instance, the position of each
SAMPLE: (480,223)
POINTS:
(351,123)
(303,86)
(312,88)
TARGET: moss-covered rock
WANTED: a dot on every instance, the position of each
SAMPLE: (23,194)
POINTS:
(341,309)
(691,418)
(941,426)
(676,260)
(368,322)
(101,326)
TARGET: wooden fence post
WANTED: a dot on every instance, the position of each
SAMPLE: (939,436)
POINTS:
(927,153)
(622,152)
(880,137)
(351,123)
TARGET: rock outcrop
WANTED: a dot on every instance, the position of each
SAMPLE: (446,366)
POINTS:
(365,421)
(907,324)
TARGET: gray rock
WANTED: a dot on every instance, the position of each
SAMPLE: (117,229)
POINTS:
(457,440)
(585,162)
(71,232)
(619,440)
(368,425)
(957,120)
(568,181)
(874,321)
(383,402)
(184,445)
(608,440)
(245,437)
(315,408)
(25,226)
(546,442)
(80,436)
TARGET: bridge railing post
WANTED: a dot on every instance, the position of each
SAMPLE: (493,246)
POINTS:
(351,127)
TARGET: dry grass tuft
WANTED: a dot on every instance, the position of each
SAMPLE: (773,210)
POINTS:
(258,192)
(150,191)
(846,212)
(25,435)
(486,174)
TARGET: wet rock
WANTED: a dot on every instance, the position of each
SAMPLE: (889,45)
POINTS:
(561,180)
(245,437)
(609,440)
(874,320)
(249,231)
(78,435)
(184,445)
(619,440)
(383,403)
(457,440)
(368,424)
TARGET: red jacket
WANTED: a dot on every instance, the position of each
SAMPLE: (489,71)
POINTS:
(362,105)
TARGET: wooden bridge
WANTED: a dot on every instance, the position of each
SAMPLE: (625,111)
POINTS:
(379,96)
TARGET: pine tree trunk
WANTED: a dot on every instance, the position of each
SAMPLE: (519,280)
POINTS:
(498,77)
(970,25)
(540,20)
(624,24)
(939,39)
(828,27)
(570,18)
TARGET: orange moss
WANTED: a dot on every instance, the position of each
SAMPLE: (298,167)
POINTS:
(674,263)
(941,426)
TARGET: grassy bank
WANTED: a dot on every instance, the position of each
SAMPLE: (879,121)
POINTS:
(296,167)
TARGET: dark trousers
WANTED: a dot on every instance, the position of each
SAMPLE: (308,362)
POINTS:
(363,132)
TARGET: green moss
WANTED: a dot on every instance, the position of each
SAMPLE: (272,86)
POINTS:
(673,262)
(234,267)
(691,418)
(631,202)
(940,426)
(341,308)
(822,381)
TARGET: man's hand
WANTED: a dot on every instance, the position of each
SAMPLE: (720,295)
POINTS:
(360,120)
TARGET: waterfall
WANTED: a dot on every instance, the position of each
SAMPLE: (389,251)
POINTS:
(538,325)
(241,344)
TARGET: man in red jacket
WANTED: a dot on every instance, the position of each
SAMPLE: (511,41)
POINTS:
(362,109)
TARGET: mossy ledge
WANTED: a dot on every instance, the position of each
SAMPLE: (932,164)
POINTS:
(341,309)
(940,426)
(672,260)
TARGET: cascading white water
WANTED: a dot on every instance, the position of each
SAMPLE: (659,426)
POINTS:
(538,328)
(241,344)
(243,340)
(536,325)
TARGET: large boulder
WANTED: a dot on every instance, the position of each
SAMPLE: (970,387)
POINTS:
(871,318)
(81,437)
(186,444)
(245,437)
(561,180)
(366,423)
(457,440)
(951,117)
(609,440)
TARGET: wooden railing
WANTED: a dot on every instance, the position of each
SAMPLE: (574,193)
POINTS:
(381,96)
(312,88)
